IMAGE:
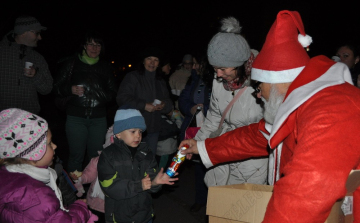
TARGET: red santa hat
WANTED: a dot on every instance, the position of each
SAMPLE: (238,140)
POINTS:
(282,56)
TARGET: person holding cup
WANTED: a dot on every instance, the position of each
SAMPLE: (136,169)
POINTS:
(89,83)
(23,71)
(144,86)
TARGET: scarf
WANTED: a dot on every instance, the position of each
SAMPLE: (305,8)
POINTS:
(234,85)
(47,176)
(88,60)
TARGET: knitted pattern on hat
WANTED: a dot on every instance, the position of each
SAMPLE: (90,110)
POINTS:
(27,23)
(22,134)
(228,48)
(128,119)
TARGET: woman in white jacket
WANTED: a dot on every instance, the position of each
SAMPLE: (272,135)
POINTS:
(231,57)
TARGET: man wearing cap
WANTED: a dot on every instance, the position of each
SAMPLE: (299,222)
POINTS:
(311,124)
(19,85)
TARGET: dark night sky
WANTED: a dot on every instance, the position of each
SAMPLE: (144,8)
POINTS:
(178,27)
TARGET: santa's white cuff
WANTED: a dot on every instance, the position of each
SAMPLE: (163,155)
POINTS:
(203,154)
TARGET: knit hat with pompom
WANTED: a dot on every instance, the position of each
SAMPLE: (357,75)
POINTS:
(228,48)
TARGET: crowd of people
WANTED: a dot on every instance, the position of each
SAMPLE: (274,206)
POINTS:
(275,117)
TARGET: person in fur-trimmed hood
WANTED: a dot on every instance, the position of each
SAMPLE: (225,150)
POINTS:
(311,123)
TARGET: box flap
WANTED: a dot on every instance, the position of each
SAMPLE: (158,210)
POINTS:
(353,181)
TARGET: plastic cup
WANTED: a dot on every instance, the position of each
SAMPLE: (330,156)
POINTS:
(28,65)
(156,102)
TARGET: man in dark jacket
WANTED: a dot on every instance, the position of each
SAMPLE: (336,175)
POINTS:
(19,85)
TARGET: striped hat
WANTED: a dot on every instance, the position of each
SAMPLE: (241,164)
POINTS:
(22,134)
(128,119)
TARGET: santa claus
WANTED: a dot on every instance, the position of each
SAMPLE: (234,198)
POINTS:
(311,124)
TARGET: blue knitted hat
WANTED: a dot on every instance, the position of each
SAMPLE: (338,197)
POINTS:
(128,119)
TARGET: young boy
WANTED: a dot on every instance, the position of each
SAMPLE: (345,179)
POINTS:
(128,171)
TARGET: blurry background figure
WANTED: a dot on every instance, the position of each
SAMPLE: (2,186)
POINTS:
(166,70)
(197,92)
(141,87)
(19,86)
(179,78)
(349,55)
(89,83)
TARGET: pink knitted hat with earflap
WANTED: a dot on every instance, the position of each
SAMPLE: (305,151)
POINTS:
(22,134)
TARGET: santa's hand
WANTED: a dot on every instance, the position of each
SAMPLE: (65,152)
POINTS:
(192,147)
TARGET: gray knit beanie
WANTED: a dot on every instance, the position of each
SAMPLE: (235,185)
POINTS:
(228,48)
(27,23)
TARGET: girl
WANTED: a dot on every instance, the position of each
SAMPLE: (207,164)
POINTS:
(28,191)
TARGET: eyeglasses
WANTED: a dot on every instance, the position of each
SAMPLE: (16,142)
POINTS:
(257,87)
(36,33)
(94,45)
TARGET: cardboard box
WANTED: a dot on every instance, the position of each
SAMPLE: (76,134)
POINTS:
(246,203)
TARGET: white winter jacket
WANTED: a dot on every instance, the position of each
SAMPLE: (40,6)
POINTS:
(243,112)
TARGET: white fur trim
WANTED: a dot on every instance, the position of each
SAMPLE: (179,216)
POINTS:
(274,77)
(203,154)
(335,75)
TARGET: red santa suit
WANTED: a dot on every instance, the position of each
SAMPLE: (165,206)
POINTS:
(315,144)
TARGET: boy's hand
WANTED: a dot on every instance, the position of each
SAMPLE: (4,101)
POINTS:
(146,182)
(163,178)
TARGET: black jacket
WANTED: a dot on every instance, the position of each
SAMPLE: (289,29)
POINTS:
(120,177)
(98,81)
(138,89)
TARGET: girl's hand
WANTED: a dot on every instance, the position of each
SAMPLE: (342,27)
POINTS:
(73,176)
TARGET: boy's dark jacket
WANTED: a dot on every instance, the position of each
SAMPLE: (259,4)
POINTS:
(120,177)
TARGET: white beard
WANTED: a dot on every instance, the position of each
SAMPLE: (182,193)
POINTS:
(272,106)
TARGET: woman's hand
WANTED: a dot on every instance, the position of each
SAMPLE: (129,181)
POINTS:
(160,106)
(149,107)
(77,90)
